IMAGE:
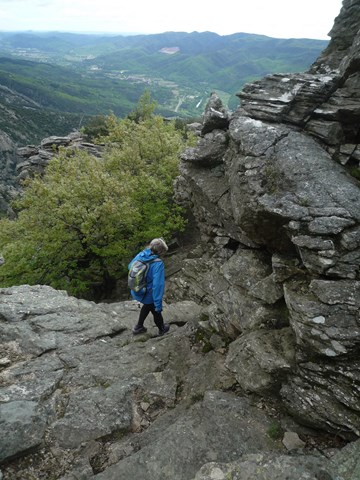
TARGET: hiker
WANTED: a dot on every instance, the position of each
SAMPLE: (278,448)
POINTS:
(151,295)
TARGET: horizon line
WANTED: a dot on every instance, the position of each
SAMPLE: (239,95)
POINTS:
(132,34)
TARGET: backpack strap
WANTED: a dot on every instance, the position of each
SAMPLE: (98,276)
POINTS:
(149,263)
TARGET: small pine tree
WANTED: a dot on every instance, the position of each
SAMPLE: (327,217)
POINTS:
(144,109)
(95,128)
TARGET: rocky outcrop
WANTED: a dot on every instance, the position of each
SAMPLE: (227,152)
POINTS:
(18,164)
(344,465)
(34,159)
(343,33)
(276,200)
(79,389)
(216,116)
(264,310)
(325,101)
(24,120)
(7,172)
(81,397)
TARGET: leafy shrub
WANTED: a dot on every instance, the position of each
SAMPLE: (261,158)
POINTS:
(79,224)
(96,127)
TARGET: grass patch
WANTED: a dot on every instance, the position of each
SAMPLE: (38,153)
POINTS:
(275,431)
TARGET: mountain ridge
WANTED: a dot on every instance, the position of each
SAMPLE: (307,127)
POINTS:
(72,77)
(208,51)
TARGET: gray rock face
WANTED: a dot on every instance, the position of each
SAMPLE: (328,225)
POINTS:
(343,466)
(287,98)
(23,423)
(347,462)
(81,397)
(219,419)
(277,208)
(7,171)
(91,399)
(17,164)
(325,318)
(216,116)
(342,34)
(257,358)
(266,303)
(34,159)
(326,323)
(210,150)
(266,467)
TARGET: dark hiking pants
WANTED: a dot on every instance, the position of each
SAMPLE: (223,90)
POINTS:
(144,312)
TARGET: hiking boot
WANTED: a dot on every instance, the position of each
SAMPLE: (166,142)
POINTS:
(164,329)
(139,329)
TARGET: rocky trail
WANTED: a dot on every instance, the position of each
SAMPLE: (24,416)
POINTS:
(259,376)
(82,397)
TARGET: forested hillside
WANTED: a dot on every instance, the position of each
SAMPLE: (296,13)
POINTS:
(92,74)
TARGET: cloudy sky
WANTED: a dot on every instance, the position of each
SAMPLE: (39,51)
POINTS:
(276,18)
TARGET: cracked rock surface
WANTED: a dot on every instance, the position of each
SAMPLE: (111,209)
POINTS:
(82,397)
(277,263)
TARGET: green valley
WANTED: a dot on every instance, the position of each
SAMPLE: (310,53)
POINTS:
(81,75)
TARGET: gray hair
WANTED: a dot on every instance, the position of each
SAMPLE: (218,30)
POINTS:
(158,246)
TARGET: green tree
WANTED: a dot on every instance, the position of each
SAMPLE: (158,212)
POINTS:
(79,224)
(144,109)
(95,128)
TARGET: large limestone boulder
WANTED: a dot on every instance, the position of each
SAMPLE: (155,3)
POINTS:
(7,171)
(343,466)
(279,243)
(34,159)
(190,438)
(216,116)
(266,467)
(260,357)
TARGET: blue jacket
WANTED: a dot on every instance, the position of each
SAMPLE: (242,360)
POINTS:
(155,280)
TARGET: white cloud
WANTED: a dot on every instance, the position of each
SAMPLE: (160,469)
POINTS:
(278,18)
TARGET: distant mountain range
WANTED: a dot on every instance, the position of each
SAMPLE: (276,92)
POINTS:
(52,82)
